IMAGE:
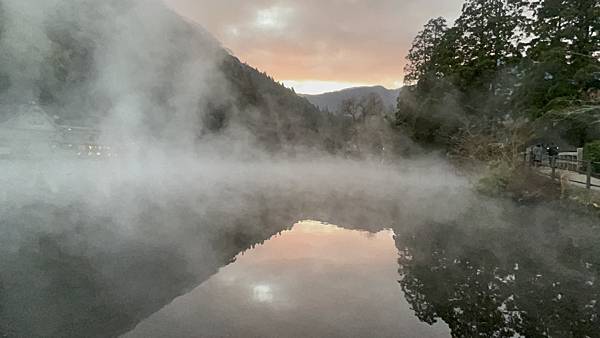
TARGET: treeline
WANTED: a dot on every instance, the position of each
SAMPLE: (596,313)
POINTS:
(505,69)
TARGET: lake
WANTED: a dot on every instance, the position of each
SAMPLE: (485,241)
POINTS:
(314,280)
(92,250)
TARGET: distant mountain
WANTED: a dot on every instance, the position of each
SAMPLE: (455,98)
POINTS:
(333,100)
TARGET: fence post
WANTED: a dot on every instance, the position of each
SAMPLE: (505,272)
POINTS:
(588,182)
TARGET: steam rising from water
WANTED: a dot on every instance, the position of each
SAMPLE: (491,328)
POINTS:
(138,48)
(166,184)
(332,189)
(137,230)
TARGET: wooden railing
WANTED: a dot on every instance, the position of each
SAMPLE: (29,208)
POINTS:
(588,169)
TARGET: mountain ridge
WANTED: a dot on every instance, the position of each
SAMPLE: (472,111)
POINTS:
(331,101)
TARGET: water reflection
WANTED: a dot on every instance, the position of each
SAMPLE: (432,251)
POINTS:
(526,271)
(315,280)
(504,282)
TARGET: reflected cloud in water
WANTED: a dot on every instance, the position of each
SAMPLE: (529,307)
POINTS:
(263,293)
(313,280)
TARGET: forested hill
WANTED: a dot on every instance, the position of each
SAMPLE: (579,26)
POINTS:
(506,72)
(333,101)
(84,60)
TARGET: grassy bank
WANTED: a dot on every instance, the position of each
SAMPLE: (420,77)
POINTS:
(526,185)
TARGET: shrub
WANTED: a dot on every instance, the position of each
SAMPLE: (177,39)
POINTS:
(591,152)
(496,180)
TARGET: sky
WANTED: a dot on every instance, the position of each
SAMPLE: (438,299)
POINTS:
(317,46)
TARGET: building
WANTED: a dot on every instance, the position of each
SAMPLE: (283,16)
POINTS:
(28,131)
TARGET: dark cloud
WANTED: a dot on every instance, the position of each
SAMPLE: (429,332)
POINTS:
(359,41)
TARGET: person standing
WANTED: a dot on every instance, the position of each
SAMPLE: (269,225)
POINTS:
(537,155)
(553,154)
(553,150)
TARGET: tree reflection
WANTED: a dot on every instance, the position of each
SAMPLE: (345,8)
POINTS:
(502,282)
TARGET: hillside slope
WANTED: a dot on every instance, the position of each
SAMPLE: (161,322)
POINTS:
(139,69)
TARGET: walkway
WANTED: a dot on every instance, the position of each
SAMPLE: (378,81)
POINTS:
(574,178)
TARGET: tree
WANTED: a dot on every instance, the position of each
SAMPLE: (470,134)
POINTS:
(502,58)
(360,109)
(422,55)
(470,55)
(352,108)
(487,40)
(570,29)
(562,61)
(423,109)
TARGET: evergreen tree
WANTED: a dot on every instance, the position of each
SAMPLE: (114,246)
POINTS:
(422,55)
(502,59)
(570,29)
(487,40)
(563,58)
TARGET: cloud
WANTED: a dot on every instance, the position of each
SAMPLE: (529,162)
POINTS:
(354,41)
(274,18)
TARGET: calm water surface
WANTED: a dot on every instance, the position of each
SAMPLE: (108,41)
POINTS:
(315,280)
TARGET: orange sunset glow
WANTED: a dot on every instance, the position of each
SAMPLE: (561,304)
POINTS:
(318,46)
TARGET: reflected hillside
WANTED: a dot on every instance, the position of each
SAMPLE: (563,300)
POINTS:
(527,279)
(65,284)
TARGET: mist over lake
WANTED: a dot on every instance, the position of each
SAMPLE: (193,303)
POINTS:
(155,184)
